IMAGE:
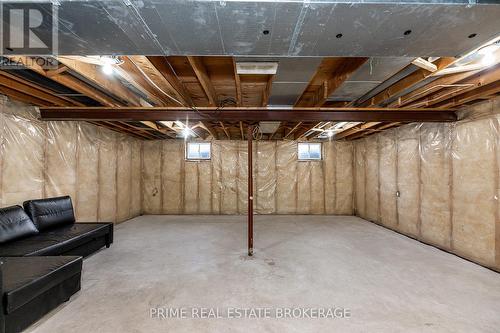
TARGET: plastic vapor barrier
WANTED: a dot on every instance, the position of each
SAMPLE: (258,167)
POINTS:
(283,185)
(98,168)
(436,182)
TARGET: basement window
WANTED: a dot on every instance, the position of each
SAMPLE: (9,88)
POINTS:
(309,151)
(198,151)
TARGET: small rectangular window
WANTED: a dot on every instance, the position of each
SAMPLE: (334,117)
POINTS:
(198,151)
(309,151)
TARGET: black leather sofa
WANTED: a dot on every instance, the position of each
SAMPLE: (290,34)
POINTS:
(41,250)
(55,231)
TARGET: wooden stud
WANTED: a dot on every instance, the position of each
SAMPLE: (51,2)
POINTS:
(204,79)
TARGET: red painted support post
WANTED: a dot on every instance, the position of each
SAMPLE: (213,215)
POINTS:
(250,191)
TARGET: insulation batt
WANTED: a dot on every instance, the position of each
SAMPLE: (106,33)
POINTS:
(283,185)
(436,182)
(98,168)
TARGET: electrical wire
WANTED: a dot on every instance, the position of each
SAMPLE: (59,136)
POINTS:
(257,133)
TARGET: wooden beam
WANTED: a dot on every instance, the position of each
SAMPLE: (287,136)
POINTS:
(237,84)
(20,96)
(60,69)
(293,130)
(396,88)
(123,127)
(70,81)
(331,73)
(108,83)
(241,131)
(417,76)
(472,83)
(207,127)
(432,87)
(355,129)
(225,130)
(372,131)
(15,83)
(129,72)
(267,91)
(66,79)
(250,114)
(204,79)
(427,65)
(334,72)
(475,81)
(487,90)
(162,76)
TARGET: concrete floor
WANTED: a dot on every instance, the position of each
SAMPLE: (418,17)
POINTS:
(389,283)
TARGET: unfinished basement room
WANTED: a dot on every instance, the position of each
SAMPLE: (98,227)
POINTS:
(249,166)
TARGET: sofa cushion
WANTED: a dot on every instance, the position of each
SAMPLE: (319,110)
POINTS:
(15,224)
(24,278)
(51,212)
(56,241)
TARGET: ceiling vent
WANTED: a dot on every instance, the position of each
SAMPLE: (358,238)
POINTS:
(256,68)
(269,127)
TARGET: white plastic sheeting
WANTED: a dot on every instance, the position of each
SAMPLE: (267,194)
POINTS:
(283,185)
(447,177)
(446,174)
(98,168)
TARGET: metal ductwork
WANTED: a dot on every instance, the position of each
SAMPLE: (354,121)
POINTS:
(282,28)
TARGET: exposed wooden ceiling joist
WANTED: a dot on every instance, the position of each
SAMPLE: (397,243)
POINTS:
(331,73)
(353,130)
(161,74)
(373,130)
(237,85)
(69,81)
(131,73)
(267,91)
(204,79)
(20,96)
(15,83)
(107,83)
(479,93)
(400,86)
(408,81)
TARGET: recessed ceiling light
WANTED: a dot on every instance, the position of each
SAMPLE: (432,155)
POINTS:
(488,54)
(407,32)
(488,59)
(472,35)
(186,132)
(339,36)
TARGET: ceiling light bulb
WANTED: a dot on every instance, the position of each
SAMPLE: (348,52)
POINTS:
(107,69)
(329,133)
(108,60)
(488,59)
(186,132)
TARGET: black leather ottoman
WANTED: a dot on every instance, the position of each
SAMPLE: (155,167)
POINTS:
(33,286)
